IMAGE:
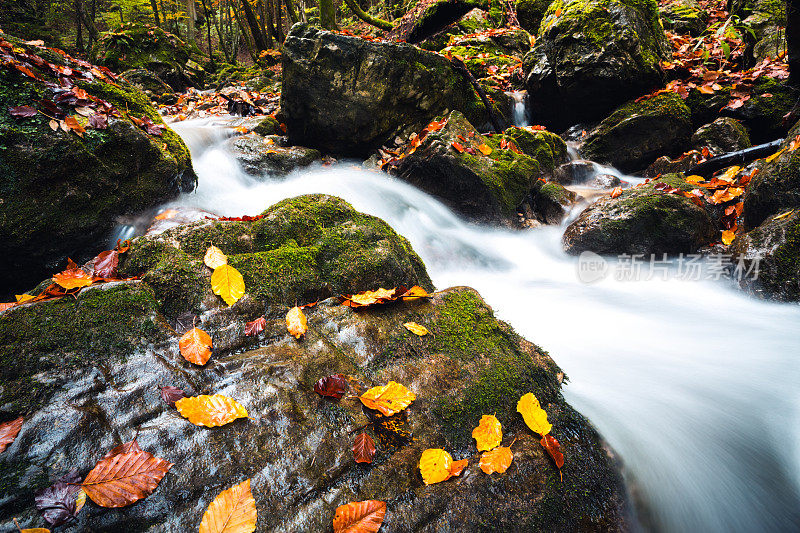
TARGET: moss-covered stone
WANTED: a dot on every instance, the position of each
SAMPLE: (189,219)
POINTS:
(531,12)
(721,136)
(268,126)
(261,156)
(643,220)
(546,147)
(684,16)
(637,133)
(302,250)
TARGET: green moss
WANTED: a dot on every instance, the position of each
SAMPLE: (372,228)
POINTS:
(290,271)
(268,126)
(547,148)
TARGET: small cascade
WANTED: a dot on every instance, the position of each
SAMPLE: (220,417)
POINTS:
(520,114)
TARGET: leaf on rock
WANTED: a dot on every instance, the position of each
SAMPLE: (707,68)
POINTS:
(228,283)
(127,447)
(233,511)
(359,517)
(363,448)
(171,394)
(485,149)
(73,124)
(553,448)
(9,431)
(57,503)
(488,434)
(124,478)
(497,460)
(416,329)
(415,293)
(535,417)
(367,298)
(210,411)
(296,322)
(775,156)
(106,264)
(98,121)
(22,111)
(436,465)
(255,327)
(332,386)
(73,277)
(214,258)
(728,236)
(458,147)
(195,346)
(388,399)
(617,192)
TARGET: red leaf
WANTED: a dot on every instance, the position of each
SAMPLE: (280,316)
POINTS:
(8,432)
(172,394)
(331,386)
(255,327)
(106,263)
(363,448)
(458,147)
(98,121)
(127,447)
(22,111)
(552,446)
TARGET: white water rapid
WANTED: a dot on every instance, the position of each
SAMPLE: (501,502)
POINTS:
(693,383)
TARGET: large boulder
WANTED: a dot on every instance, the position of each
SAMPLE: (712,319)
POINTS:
(473,22)
(637,133)
(684,16)
(260,156)
(481,186)
(301,250)
(62,192)
(530,13)
(721,136)
(345,95)
(591,56)
(642,220)
(776,185)
(772,250)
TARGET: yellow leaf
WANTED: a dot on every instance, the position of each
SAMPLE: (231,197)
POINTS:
(783,215)
(415,293)
(729,174)
(694,180)
(214,258)
(228,283)
(497,460)
(233,511)
(728,236)
(210,411)
(371,297)
(22,298)
(485,149)
(775,156)
(488,434)
(535,417)
(416,329)
(80,501)
(436,465)
(388,399)
(296,322)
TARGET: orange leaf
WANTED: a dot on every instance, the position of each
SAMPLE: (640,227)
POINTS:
(436,465)
(124,478)
(414,293)
(616,192)
(488,434)
(552,446)
(232,511)
(73,277)
(458,147)
(485,149)
(195,346)
(728,236)
(359,517)
(497,460)
(72,123)
(210,411)
(9,431)
(458,466)
(296,322)
(363,448)
(367,298)
(388,399)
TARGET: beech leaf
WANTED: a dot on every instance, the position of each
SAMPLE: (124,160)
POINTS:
(106,263)
(255,327)
(488,434)
(22,111)
(416,329)
(332,386)
(228,283)
(232,511)
(210,411)
(296,322)
(124,478)
(73,277)
(388,399)
(127,447)
(436,465)
(9,431)
(363,448)
(359,517)
(171,394)
(195,346)
(497,460)
(535,417)
(553,448)
(57,503)
(214,258)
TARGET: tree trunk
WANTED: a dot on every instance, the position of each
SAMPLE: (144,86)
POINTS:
(262,18)
(191,15)
(327,14)
(259,41)
(79,31)
(154,7)
(366,17)
(793,40)
(208,29)
(243,30)
(290,11)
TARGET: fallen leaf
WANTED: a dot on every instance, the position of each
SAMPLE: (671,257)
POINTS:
(228,283)
(73,277)
(553,448)
(57,503)
(616,192)
(458,147)
(728,236)
(372,297)
(127,447)
(331,386)
(124,478)
(416,329)
(73,124)
(485,149)
(214,257)
(775,156)
(535,417)
(195,346)
(694,180)
(458,466)
(171,394)
(436,465)
(415,293)
(388,399)
(255,327)
(9,431)
(296,322)
(359,517)
(729,174)
(783,215)
(22,111)
(363,448)
(497,460)
(489,433)
(22,298)
(210,411)
(232,511)
(106,264)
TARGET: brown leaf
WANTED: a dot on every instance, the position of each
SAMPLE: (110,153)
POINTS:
(359,517)
(255,327)
(363,448)
(106,263)
(124,478)
(195,346)
(332,386)
(171,394)
(552,446)
(127,447)
(22,111)
(296,322)
(73,124)
(9,431)
(232,511)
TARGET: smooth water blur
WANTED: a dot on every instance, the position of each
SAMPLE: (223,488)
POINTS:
(694,384)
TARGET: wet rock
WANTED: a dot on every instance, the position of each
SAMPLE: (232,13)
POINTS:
(147,81)
(772,45)
(347,96)
(684,16)
(773,251)
(296,446)
(593,56)
(721,136)
(550,202)
(637,133)
(62,193)
(530,13)
(429,19)
(762,16)
(473,22)
(667,165)
(261,156)
(268,126)
(513,42)
(583,172)
(302,250)
(481,187)
(776,185)
(642,220)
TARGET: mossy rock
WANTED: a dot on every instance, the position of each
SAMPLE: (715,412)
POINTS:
(147,81)
(637,133)
(262,156)
(642,220)
(62,194)
(268,126)
(591,56)
(550,202)
(721,136)
(530,13)
(776,185)
(427,18)
(684,16)
(302,250)
(475,21)
(513,42)
(345,95)
(486,187)
(773,250)
(546,147)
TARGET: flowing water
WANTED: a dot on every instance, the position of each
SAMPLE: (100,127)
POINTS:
(693,383)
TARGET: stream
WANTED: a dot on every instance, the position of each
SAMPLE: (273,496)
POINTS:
(693,383)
